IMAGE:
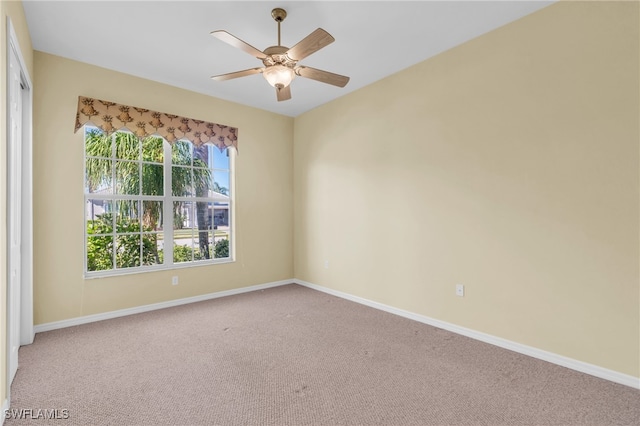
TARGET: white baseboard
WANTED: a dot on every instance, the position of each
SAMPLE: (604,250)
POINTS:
(5,407)
(146,308)
(553,358)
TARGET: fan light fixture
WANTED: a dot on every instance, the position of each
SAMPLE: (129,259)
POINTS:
(281,63)
(279,75)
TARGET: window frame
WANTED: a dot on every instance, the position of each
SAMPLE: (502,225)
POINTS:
(167,200)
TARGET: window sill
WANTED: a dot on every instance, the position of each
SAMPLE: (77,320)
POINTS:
(121,272)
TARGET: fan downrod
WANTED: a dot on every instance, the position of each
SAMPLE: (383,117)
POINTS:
(278,15)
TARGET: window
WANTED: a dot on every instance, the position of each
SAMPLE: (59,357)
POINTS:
(151,205)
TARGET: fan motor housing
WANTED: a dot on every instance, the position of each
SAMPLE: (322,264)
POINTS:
(277,55)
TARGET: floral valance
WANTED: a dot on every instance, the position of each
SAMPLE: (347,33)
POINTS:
(110,117)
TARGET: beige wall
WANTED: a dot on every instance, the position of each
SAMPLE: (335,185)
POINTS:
(12,9)
(263,186)
(509,164)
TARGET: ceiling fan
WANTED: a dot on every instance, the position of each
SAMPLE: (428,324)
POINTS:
(280,62)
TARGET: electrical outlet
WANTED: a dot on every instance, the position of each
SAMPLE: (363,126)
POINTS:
(326,264)
(459,290)
(174,280)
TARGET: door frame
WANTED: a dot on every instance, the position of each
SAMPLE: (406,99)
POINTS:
(27,333)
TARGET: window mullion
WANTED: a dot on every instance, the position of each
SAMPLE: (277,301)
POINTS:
(114,207)
(119,197)
(167,207)
(140,202)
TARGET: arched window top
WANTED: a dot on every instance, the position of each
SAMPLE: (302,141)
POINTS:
(111,117)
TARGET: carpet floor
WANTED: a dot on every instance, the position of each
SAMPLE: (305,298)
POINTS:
(294,356)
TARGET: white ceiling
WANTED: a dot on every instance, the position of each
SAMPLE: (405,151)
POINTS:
(170,41)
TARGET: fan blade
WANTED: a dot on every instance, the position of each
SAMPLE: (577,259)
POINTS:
(283,93)
(236,42)
(310,44)
(231,75)
(322,76)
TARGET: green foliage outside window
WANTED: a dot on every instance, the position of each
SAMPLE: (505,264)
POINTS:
(186,253)
(221,249)
(100,244)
